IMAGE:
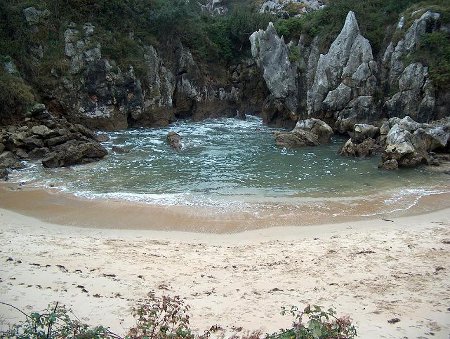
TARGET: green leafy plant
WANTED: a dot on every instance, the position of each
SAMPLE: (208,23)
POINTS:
(54,322)
(161,317)
(319,324)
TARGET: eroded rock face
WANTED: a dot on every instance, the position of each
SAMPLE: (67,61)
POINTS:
(414,92)
(345,79)
(272,56)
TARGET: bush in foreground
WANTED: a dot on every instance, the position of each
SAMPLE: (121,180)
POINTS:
(167,317)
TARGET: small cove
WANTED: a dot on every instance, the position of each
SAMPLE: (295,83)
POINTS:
(230,165)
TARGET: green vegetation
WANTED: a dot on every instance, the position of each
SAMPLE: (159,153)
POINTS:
(374,17)
(16,97)
(167,317)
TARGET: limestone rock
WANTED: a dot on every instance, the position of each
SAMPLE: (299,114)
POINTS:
(362,132)
(364,149)
(345,79)
(272,56)
(317,127)
(414,92)
(416,95)
(296,139)
(34,16)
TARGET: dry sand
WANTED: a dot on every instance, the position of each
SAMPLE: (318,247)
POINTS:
(373,270)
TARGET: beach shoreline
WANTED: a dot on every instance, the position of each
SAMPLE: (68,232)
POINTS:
(57,207)
(373,270)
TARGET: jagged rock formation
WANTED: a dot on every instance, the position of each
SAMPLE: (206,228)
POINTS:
(345,80)
(214,7)
(272,56)
(415,94)
(89,87)
(346,85)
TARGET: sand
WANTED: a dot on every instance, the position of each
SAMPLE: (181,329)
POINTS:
(373,270)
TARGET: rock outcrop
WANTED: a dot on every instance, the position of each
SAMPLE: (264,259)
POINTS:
(310,132)
(272,56)
(408,143)
(365,141)
(345,80)
(55,141)
(414,91)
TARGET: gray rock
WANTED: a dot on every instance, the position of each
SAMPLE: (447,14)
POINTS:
(390,165)
(42,131)
(317,127)
(338,98)
(296,139)
(34,16)
(347,71)
(364,149)
(272,56)
(73,153)
(9,160)
(362,132)
(405,147)
(174,140)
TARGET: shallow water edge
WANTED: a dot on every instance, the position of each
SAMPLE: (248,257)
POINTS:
(66,209)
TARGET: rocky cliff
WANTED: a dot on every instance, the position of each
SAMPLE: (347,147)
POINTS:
(84,84)
(348,84)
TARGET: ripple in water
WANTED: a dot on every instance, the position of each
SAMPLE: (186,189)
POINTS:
(229,162)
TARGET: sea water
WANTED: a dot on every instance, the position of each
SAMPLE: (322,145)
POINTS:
(230,163)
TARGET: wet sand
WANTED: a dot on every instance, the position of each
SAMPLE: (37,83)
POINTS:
(65,209)
(373,269)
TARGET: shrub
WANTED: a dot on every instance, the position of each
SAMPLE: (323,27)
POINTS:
(167,317)
(320,325)
(54,322)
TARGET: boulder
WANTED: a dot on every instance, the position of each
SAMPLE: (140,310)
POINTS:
(404,147)
(73,153)
(317,127)
(362,132)
(9,160)
(296,139)
(364,149)
(174,140)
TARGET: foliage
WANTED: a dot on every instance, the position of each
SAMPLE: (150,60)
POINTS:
(320,325)
(161,317)
(374,16)
(434,52)
(55,322)
(167,317)
(15,96)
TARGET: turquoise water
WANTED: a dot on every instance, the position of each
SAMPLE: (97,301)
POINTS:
(227,162)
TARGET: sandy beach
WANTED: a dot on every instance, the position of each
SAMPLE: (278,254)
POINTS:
(372,270)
